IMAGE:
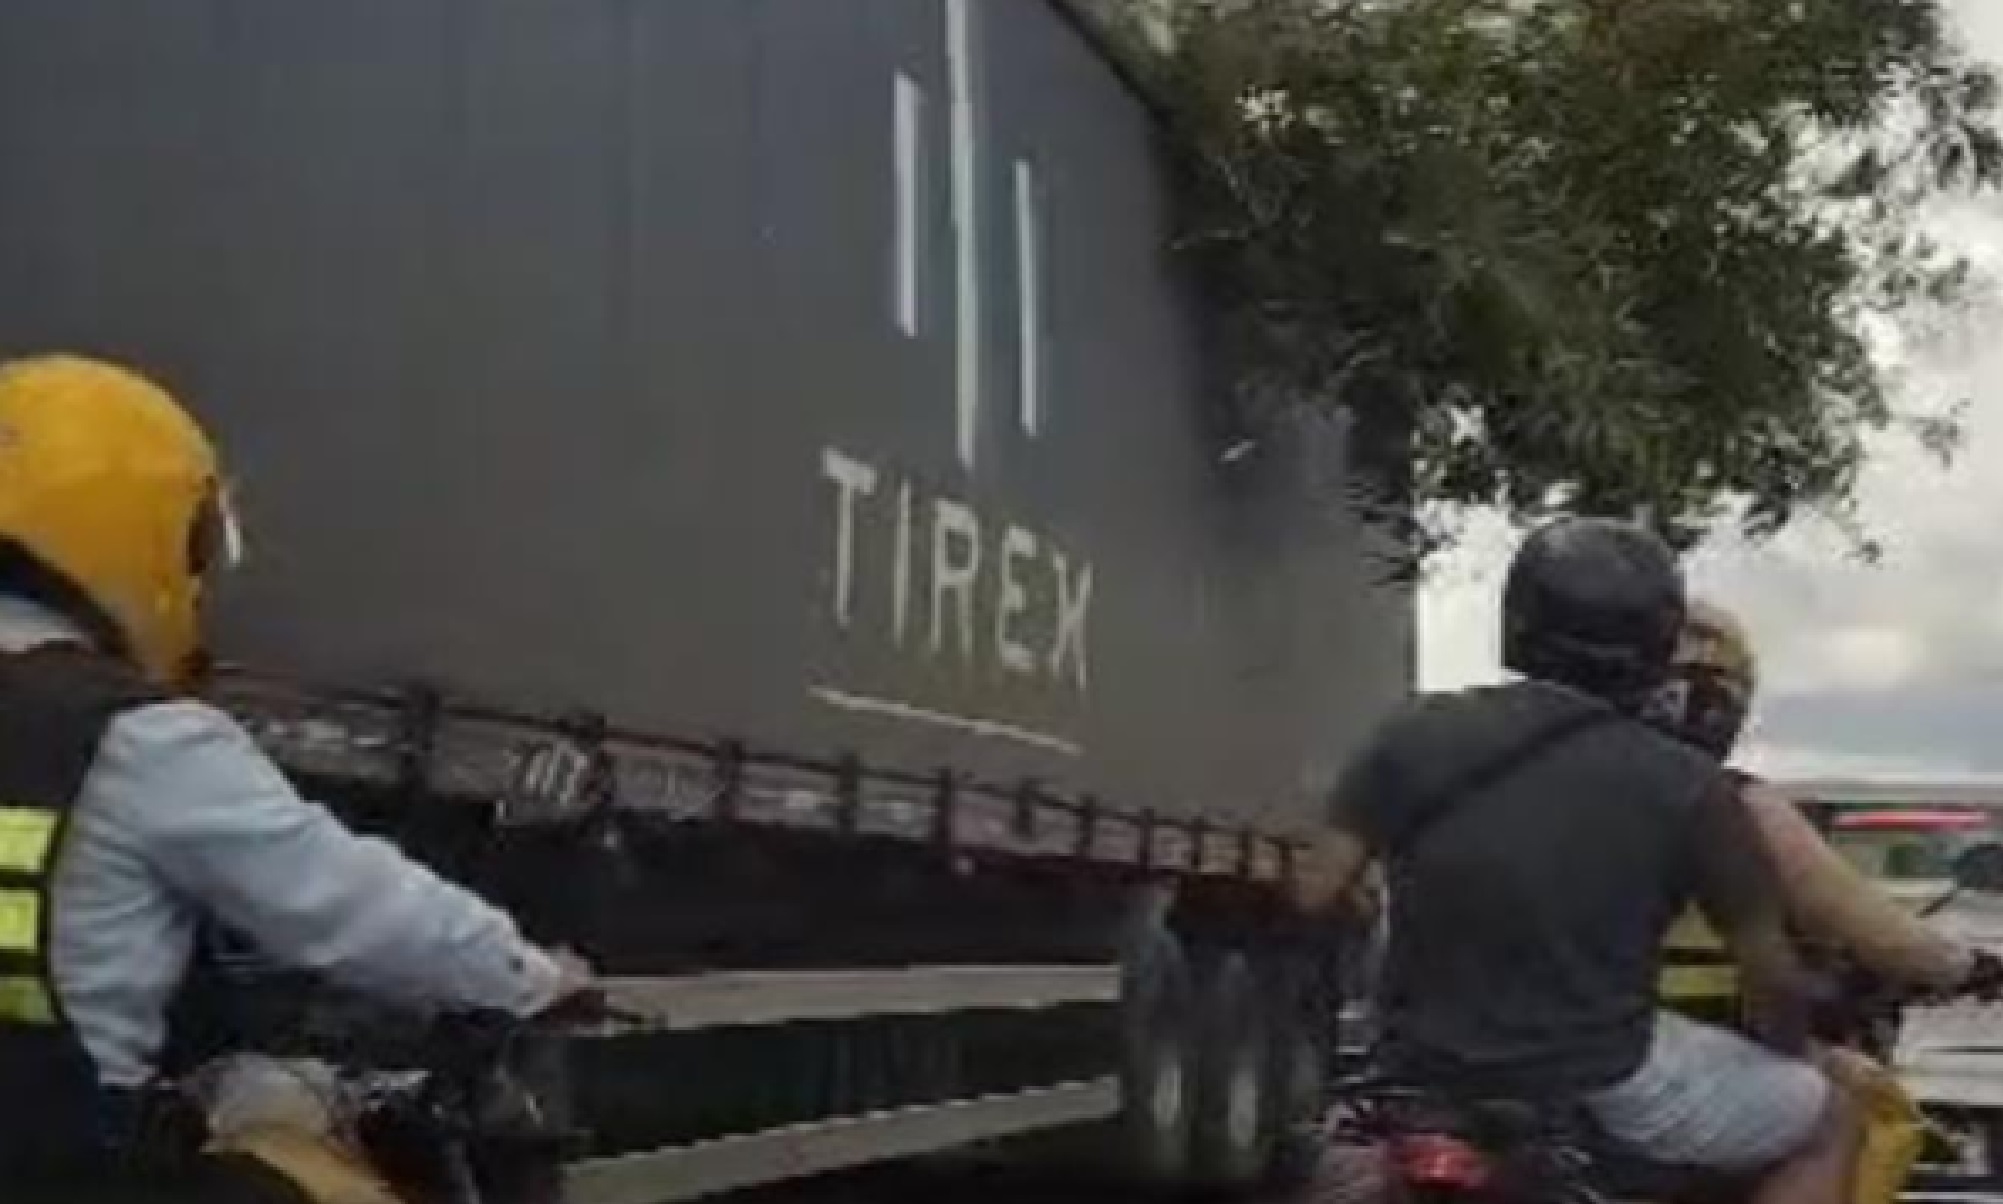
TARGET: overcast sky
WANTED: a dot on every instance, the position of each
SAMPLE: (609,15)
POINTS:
(1887,671)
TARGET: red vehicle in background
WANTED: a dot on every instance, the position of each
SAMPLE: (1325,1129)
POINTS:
(1910,849)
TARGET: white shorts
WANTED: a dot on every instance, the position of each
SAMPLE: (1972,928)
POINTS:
(1712,1099)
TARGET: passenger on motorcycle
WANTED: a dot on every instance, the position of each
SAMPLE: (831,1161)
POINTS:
(1830,904)
(1539,839)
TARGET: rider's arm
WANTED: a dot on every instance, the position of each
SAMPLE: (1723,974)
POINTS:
(1833,904)
(1329,878)
(209,814)
(1737,889)
(1362,818)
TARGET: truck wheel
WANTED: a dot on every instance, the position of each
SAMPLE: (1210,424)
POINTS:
(1299,1066)
(1158,1071)
(1235,1083)
(1989,1145)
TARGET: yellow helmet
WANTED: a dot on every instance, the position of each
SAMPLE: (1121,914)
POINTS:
(107,484)
(1715,641)
(1712,677)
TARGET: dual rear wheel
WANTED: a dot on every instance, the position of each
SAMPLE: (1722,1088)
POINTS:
(1221,1074)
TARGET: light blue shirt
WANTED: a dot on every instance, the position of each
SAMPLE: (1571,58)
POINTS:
(183,818)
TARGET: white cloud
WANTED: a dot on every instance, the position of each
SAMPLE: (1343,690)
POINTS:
(1982,25)
(1459,639)
(1865,657)
(1781,762)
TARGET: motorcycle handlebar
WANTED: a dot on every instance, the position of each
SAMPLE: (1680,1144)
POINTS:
(484,1034)
(1868,995)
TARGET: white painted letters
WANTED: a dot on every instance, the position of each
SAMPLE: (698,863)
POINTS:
(1074,608)
(1018,546)
(1029,298)
(900,569)
(956,565)
(962,53)
(998,600)
(912,247)
(966,181)
(853,481)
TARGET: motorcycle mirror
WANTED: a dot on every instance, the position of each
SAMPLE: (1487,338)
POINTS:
(1979,868)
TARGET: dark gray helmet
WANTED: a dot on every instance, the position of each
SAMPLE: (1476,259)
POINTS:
(1596,604)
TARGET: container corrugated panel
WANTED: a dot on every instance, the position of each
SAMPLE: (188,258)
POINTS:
(811,372)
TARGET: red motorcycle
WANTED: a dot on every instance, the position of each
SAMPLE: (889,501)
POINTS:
(1428,1145)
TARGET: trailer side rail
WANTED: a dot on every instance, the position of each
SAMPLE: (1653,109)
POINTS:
(541,771)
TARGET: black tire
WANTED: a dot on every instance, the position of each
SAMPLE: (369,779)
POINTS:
(1236,1077)
(1298,1050)
(1151,1141)
(1988,1128)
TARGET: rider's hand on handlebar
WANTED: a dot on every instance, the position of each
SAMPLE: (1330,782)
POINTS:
(568,982)
(577,978)
(576,995)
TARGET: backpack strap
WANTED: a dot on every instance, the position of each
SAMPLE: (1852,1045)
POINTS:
(1449,798)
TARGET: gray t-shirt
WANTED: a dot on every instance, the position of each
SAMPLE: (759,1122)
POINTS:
(1527,914)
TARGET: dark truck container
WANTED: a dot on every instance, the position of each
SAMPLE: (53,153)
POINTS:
(737,480)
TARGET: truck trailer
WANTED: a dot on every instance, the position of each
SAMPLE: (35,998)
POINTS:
(742,483)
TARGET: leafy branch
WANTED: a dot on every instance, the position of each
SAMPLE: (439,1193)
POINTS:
(1583,254)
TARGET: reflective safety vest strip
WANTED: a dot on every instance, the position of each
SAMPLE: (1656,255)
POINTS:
(55,704)
(20,922)
(28,1001)
(1698,973)
(29,838)
(1695,984)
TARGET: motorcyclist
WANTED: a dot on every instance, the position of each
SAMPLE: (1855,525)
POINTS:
(1539,839)
(1830,904)
(131,814)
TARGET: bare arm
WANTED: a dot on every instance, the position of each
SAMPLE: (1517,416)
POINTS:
(1330,880)
(1830,902)
(1365,811)
(1740,895)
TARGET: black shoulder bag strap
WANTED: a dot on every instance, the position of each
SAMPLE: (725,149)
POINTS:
(1449,798)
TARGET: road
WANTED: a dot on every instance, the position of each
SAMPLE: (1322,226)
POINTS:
(957,1182)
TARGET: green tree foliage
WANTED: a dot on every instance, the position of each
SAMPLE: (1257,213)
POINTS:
(1588,254)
